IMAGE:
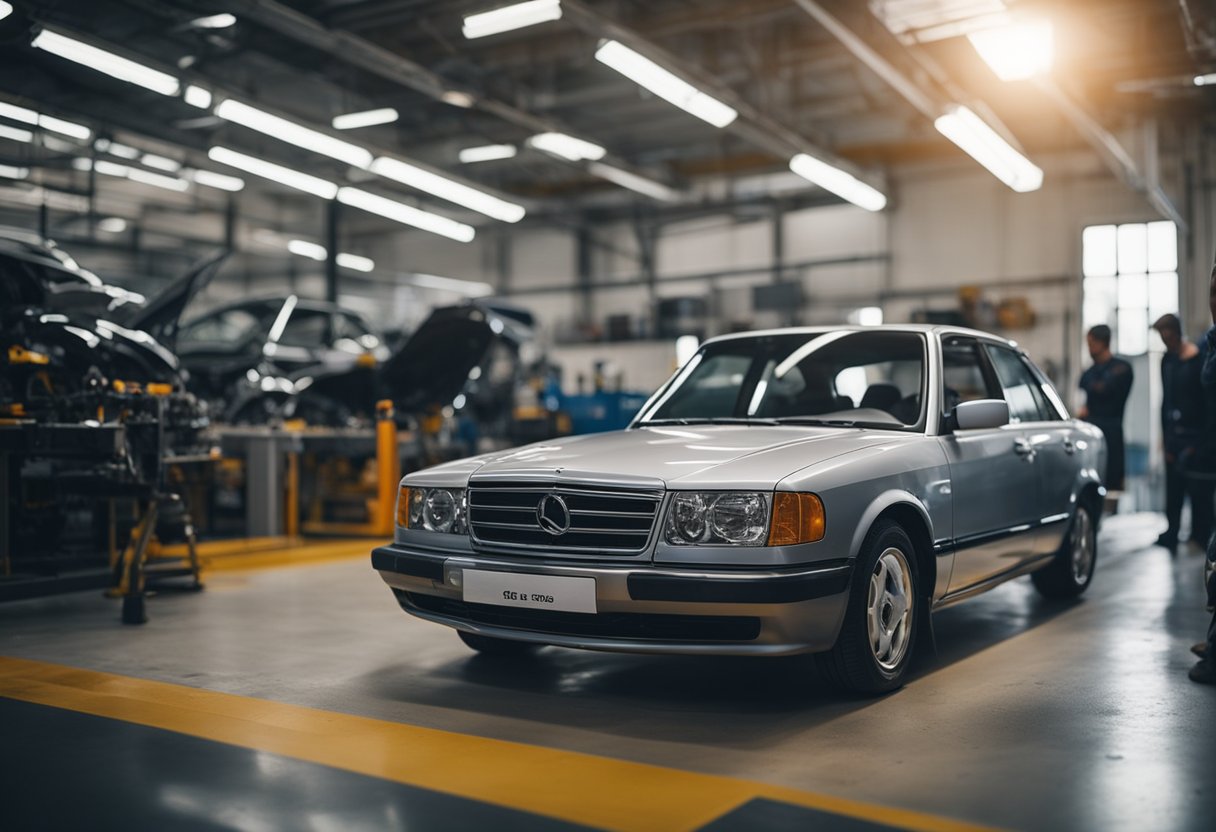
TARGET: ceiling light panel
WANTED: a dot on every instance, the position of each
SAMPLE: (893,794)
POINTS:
(508,18)
(113,65)
(967,130)
(355,262)
(665,84)
(1018,51)
(292,133)
(16,134)
(444,188)
(567,147)
(197,97)
(275,173)
(842,183)
(640,184)
(367,118)
(406,214)
(486,153)
(218,180)
(303,248)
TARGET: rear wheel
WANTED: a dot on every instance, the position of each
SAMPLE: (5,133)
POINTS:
(1072,569)
(491,646)
(874,648)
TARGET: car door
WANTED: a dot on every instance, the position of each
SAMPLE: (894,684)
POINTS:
(1050,436)
(993,474)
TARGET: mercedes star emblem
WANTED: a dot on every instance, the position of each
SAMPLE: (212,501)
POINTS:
(553,515)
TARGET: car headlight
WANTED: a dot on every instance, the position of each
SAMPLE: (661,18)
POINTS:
(432,509)
(744,518)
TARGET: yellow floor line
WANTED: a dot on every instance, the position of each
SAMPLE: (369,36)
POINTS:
(579,788)
(306,554)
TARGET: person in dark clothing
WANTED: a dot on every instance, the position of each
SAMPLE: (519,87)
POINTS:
(1107,384)
(1184,420)
(1204,670)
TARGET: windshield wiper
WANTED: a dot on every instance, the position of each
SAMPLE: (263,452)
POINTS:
(710,420)
(835,423)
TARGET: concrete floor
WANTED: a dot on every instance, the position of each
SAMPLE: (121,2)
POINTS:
(1031,715)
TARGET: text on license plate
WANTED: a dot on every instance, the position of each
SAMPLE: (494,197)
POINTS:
(538,592)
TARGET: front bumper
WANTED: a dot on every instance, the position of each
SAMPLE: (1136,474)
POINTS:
(640,608)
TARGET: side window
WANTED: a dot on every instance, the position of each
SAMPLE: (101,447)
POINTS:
(1026,400)
(963,377)
(306,328)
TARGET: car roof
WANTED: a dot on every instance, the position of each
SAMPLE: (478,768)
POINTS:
(32,248)
(938,330)
(273,303)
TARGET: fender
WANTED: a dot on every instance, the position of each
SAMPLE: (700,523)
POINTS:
(899,497)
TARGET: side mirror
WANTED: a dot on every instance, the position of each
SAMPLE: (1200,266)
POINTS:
(981,414)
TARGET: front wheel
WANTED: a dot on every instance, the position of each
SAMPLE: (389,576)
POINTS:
(1070,572)
(874,648)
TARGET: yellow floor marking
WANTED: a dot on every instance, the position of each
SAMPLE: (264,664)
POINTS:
(579,788)
(304,554)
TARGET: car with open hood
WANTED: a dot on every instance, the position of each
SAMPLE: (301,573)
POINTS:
(790,491)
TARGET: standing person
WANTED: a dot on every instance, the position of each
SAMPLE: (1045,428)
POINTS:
(1183,422)
(1204,670)
(1107,384)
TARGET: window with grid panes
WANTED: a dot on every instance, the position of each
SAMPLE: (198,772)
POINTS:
(1131,279)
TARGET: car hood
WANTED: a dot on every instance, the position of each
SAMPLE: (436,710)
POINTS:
(433,366)
(712,456)
(161,317)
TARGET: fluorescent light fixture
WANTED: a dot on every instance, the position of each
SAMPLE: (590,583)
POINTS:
(355,262)
(843,184)
(686,348)
(218,180)
(444,188)
(5,9)
(122,151)
(866,316)
(169,183)
(507,18)
(406,214)
(161,162)
(469,288)
(567,147)
(67,128)
(487,153)
(306,249)
(16,113)
(113,65)
(367,118)
(457,99)
(1016,52)
(640,184)
(214,21)
(197,97)
(16,134)
(665,84)
(275,173)
(292,133)
(982,143)
(10,172)
(114,225)
(1205,80)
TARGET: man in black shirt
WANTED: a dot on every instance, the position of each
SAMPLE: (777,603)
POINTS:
(1107,385)
(1205,670)
(1184,418)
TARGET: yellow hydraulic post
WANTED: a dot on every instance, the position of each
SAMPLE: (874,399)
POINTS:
(291,521)
(388,468)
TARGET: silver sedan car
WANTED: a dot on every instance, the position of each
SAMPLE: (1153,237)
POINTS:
(792,491)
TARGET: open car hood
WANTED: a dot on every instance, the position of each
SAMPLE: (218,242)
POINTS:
(161,316)
(432,366)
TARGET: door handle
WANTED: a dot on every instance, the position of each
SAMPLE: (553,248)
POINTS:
(1022,447)
(1070,447)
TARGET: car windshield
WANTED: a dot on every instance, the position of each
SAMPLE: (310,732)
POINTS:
(847,378)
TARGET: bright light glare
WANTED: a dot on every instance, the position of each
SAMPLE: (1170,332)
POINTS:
(113,65)
(982,143)
(367,118)
(1205,80)
(567,147)
(406,214)
(468,288)
(511,17)
(292,133)
(355,262)
(215,21)
(686,348)
(275,173)
(444,188)
(5,9)
(866,316)
(665,84)
(1017,51)
(843,184)
(306,249)
(486,153)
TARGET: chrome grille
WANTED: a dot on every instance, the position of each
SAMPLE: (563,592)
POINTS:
(602,519)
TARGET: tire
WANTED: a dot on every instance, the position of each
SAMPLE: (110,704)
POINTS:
(491,646)
(876,641)
(1071,570)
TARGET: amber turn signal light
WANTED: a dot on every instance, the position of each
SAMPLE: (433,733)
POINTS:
(797,518)
(403,507)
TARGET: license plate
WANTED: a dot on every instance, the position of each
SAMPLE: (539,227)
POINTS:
(537,592)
